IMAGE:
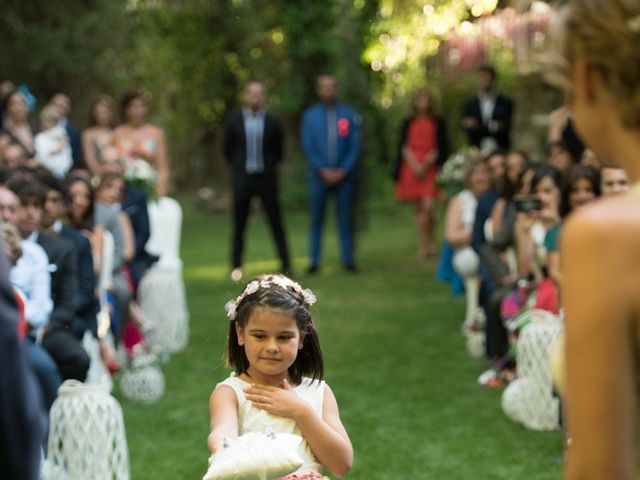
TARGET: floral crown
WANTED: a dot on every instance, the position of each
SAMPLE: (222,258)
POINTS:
(269,281)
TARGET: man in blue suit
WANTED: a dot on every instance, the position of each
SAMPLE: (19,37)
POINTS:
(331,143)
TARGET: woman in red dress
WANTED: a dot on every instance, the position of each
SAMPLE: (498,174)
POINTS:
(423,149)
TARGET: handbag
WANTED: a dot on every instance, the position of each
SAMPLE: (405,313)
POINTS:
(256,456)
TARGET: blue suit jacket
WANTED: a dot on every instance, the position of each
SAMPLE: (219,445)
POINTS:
(315,137)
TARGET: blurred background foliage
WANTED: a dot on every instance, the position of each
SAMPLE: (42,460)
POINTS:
(195,55)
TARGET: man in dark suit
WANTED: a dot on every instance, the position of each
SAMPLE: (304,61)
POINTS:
(253,146)
(486,117)
(22,418)
(62,103)
(62,345)
(55,209)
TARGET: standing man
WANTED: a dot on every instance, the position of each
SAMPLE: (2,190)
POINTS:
(253,146)
(486,117)
(331,143)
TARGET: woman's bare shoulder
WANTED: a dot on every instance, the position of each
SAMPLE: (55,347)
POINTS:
(607,213)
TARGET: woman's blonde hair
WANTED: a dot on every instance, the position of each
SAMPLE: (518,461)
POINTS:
(606,35)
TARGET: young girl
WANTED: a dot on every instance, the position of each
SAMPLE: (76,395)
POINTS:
(274,349)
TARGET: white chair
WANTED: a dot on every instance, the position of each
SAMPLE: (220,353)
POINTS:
(161,292)
(165,222)
(530,400)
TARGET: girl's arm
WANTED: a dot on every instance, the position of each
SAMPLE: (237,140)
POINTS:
(127,233)
(324,433)
(454,231)
(223,410)
(327,436)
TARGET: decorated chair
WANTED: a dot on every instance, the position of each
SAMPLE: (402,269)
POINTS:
(161,292)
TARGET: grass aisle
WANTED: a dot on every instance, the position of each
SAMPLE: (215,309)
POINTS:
(394,354)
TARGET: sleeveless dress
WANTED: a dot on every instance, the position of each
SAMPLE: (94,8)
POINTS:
(422,140)
(251,419)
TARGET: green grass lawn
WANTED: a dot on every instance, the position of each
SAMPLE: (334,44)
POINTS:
(394,357)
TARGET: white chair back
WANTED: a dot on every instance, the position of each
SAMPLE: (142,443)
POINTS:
(165,222)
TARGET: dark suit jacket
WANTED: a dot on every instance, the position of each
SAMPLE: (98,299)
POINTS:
(85,293)
(75,142)
(502,112)
(64,279)
(235,150)
(442,144)
(22,418)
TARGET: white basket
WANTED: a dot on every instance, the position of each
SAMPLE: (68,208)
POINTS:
(539,408)
(86,435)
(144,383)
(162,298)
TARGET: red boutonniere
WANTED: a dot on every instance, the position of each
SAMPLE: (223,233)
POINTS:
(343,127)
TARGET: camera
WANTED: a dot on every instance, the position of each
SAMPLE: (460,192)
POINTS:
(528,203)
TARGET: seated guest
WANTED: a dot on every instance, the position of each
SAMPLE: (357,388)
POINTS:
(458,229)
(16,128)
(561,157)
(55,210)
(582,187)
(13,156)
(30,277)
(62,345)
(134,204)
(613,181)
(81,216)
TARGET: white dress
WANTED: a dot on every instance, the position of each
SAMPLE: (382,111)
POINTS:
(251,419)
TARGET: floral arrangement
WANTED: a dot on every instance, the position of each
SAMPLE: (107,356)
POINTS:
(451,176)
(141,174)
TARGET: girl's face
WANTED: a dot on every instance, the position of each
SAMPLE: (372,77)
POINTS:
(17,107)
(136,111)
(582,192)
(549,195)
(271,341)
(111,192)
(102,113)
(80,200)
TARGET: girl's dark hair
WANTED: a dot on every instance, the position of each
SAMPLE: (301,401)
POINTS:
(576,173)
(309,361)
(541,172)
(92,115)
(87,222)
(130,96)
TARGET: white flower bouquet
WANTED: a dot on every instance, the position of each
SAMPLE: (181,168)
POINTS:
(451,176)
(140,173)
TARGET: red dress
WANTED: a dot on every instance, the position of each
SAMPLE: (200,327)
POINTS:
(422,140)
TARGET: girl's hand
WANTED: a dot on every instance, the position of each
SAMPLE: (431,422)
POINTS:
(283,402)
